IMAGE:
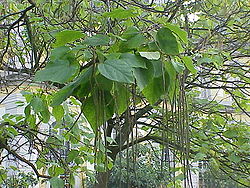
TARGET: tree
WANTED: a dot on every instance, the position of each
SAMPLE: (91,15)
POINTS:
(128,66)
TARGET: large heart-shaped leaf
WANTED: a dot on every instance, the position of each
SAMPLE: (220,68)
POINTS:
(60,71)
(182,34)
(98,110)
(121,96)
(167,41)
(156,88)
(144,76)
(133,60)
(59,53)
(134,39)
(66,91)
(117,70)
(158,68)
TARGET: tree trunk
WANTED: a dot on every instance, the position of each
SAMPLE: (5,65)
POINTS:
(102,179)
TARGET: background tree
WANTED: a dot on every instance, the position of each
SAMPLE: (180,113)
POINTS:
(128,66)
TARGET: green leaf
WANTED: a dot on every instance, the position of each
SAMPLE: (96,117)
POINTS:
(152,46)
(31,120)
(60,71)
(100,56)
(120,13)
(37,104)
(54,140)
(182,34)
(28,95)
(97,40)
(179,67)
(58,171)
(167,41)
(78,160)
(51,170)
(110,165)
(83,90)
(121,95)
(133,60)
(72,155)
(58,112)
(13,132)
(40,163)
(98,111)
(27,110)
(45,115)
(3,177)
(72,180)
(63,94)
(158,68)
(199,156)
(230,133)
(156,89)
(113,55)
(217,61)
(116,36)
(205,60)
(234,158)
(103,83)
(66,91)
(180,177)
(144,76)
(59,53)
(56,182)
(151,55)
(117,70)
(189,64)
(66,36)
(134,39)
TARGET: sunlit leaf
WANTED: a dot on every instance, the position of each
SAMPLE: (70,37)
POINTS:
(66,36)
(189,64)
(151,55)
(58,112)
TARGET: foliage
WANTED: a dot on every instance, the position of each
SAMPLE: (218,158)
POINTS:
(131,68)
(213,177)
(142,170)
(19,180)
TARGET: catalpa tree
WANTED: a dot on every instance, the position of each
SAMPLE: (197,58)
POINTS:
(115,74)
